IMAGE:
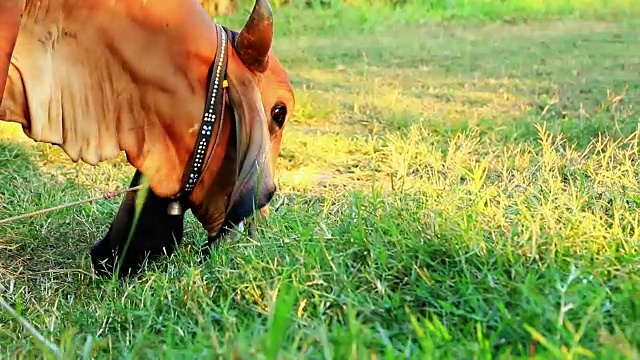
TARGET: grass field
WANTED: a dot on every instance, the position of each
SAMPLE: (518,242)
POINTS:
(458,183)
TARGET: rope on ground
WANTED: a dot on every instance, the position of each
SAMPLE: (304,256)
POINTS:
(54,349)
(107,195)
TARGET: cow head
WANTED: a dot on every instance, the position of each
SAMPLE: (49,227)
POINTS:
(239,176)
(261,101)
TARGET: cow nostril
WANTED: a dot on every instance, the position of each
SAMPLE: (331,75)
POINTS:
(267,195)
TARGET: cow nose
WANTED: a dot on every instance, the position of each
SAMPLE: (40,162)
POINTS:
(265,196)
(249,202)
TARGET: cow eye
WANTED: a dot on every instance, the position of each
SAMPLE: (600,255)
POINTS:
(279,114)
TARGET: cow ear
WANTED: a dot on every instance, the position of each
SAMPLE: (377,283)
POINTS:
(254,41)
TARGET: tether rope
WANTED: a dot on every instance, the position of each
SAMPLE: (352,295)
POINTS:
(106,196)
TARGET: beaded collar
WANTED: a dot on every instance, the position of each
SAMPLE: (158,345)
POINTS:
(213,114)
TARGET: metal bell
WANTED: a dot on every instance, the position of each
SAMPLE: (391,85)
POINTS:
(174,208)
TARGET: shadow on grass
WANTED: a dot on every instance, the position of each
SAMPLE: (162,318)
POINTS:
(56,240)
(52,243)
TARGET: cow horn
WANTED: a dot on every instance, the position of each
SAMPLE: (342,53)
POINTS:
(254,41)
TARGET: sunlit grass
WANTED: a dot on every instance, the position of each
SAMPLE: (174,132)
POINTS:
(446,191)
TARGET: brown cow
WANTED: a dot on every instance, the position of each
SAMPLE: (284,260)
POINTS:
(198,109)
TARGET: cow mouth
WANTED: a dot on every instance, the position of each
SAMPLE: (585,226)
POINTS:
(237,218)
(243,209)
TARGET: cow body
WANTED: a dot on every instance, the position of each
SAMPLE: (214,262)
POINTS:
(97,77)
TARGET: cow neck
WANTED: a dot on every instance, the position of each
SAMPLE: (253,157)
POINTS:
(212,120)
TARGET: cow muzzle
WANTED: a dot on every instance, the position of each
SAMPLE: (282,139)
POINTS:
(248,203)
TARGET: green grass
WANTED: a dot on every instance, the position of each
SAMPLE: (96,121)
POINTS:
(450,189)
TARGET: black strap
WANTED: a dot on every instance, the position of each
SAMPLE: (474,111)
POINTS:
(212,115)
